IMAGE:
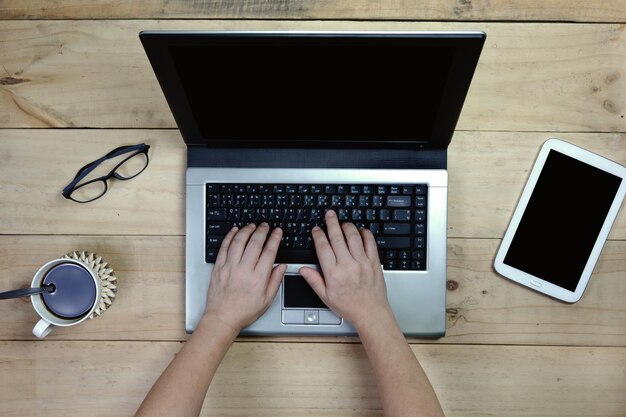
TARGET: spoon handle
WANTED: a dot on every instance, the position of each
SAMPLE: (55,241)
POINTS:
(25,292)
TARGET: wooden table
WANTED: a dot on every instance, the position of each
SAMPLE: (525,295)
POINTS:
(75,83)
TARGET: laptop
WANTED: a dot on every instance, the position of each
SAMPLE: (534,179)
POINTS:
(282,126)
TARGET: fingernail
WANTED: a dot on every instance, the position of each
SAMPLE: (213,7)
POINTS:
(330,213)
(235,228)
(315,229)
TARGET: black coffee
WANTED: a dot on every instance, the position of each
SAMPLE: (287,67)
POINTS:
(74,293)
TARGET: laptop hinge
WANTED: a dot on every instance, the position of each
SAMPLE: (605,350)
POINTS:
(200,156)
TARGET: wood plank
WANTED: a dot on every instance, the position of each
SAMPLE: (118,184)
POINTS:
(38,164)
(509,10)
(297,379)
(531,76)
(487,173)
(482,307)
(488,170)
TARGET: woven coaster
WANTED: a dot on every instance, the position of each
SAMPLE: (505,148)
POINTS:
(107,277)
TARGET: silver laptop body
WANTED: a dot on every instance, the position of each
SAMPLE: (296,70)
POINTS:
(417,297)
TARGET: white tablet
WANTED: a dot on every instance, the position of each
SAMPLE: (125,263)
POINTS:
(562,220)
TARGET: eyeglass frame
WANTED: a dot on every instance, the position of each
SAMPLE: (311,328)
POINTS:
(84,171)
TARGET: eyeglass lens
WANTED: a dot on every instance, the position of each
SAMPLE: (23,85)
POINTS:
(89,191)
(130,168)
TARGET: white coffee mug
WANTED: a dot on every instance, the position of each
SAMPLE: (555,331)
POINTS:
(48,319)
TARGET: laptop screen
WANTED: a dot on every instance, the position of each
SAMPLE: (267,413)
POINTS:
(263,90)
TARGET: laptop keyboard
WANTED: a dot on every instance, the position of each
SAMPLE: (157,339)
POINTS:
(396,215)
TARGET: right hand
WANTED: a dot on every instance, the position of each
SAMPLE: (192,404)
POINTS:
(353,285)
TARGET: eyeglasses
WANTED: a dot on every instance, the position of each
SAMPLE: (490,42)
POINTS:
(130,167)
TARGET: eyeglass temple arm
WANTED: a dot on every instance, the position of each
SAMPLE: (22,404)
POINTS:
(125,149)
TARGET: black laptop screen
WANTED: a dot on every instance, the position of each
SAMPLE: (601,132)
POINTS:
(312,90)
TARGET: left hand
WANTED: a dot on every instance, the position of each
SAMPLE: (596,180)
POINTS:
(244,281)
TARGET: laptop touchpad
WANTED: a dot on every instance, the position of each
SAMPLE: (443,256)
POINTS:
(301,306)
(297,293)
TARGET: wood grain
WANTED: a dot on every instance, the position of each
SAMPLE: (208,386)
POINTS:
(509,10)
(531,76)
(485,181)
(296,379)
(482,307)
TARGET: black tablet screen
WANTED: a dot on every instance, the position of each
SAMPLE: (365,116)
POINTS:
(562,220)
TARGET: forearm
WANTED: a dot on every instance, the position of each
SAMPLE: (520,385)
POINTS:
(181,389)
(404,387)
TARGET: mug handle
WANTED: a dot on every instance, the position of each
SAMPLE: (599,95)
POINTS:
(42,328)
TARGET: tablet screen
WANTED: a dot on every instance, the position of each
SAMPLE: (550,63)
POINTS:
(562,220)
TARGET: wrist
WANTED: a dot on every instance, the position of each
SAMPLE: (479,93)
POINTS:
(374,319)
(218,325)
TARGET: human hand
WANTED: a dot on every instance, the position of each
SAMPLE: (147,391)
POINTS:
(353,285)
(243,282)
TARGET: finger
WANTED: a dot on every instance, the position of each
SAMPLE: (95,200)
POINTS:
(238,244)
(254,246)
(354,240)
(324,251)
(275,279)
(221,254)
(315,280)
(268,254)
(335,235)
(369,242)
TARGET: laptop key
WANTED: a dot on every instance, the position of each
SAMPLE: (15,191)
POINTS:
(211,255)
(419,265)
(397,228)
(213,214)
(418,255)
(402,215)
(399,201)
(214,241)
(218,229)
(393,242)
